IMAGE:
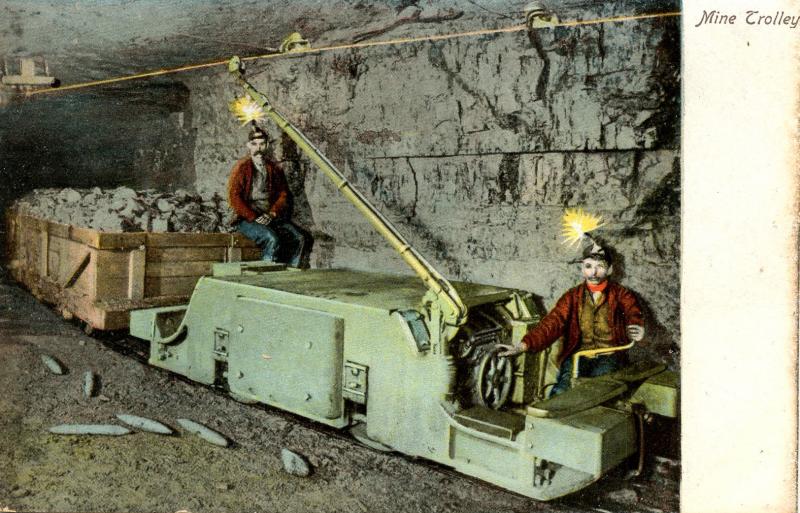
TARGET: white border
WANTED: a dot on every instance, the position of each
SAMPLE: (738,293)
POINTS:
(739,269)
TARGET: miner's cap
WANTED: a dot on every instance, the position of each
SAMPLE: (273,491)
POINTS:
(257,133)
(534,8)
(595,251)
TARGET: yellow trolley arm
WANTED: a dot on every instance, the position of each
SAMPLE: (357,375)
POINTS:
(454,312)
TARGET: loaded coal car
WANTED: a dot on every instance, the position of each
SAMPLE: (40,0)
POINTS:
(407,363)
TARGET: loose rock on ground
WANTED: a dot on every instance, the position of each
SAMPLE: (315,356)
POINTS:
(294,463)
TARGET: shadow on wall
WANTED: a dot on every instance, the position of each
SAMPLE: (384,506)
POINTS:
(300,208)
(658,343)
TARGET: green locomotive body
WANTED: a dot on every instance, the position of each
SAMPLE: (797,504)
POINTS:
(345,347)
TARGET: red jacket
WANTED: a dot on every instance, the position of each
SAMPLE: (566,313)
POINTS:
(240,185)
(564,319)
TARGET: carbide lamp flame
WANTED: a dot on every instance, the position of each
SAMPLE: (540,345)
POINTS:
(577,223)
(246,110)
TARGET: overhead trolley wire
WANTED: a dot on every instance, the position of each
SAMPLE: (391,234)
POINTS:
(368,44)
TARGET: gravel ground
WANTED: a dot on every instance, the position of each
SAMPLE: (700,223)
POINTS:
(149,472)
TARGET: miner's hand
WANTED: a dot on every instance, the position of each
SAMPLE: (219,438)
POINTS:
(512,350)
(264,219)
(635,332)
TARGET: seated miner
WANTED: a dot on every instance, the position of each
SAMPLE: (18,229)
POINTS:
(598,313)
(261,201)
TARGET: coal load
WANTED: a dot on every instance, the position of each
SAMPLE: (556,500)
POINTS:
(126,210)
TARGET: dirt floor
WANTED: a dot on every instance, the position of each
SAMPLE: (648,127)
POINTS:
(40,471)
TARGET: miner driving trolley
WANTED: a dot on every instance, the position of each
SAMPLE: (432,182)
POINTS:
(597,319)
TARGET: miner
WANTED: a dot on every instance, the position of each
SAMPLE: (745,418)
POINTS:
(261,202)
(598,313)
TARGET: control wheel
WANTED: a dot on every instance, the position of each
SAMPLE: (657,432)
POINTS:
(492,379)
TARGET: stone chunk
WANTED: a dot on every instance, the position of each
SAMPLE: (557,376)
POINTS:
(165,206)
(207,434)
(124,193)
(52,364)
(145,424)
(295,464)
(89,429)
(624,496)
(160,225)
(70,195)
(88,384)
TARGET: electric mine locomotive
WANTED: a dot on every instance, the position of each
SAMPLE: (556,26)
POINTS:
(408,363)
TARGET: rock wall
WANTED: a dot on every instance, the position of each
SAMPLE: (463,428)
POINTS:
(475,146)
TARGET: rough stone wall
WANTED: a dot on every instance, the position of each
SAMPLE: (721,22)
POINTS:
(475,146)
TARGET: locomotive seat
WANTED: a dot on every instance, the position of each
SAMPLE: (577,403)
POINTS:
(589,392)
(582,396)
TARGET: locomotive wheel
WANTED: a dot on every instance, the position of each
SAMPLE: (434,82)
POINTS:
(492,379)
(359,432)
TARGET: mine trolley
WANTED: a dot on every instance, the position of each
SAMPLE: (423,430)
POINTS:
(408,364)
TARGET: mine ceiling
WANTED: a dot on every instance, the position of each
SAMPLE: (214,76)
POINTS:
(88,40)
(91,40)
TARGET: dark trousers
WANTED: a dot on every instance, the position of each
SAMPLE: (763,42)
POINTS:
(280,241)
(588,367)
